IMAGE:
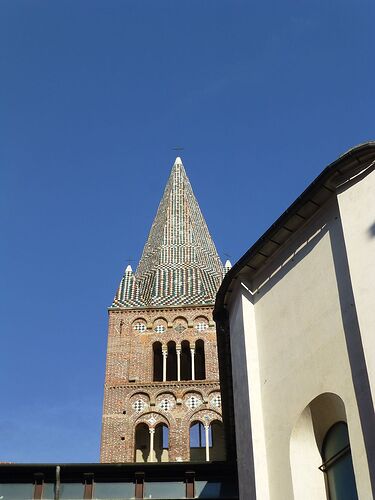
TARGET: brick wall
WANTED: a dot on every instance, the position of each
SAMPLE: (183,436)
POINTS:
(131,396)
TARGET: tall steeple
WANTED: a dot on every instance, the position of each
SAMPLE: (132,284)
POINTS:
(179,264)
(162,374)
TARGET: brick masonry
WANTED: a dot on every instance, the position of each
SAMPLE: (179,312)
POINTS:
(130,357)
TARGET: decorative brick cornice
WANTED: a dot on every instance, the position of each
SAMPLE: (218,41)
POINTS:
(166,385)
(156,309)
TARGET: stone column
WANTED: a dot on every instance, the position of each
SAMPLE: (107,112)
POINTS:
(165,355)
(192,350)
(151,457)
(178,352)
(206,431)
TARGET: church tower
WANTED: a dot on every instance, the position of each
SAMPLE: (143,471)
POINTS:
(162,396)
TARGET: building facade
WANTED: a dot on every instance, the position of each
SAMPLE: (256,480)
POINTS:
(162,398)
(296,322)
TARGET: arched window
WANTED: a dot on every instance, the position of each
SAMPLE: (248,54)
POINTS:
(161,444)
(158,362)
(207,442)
(338,463)
(142,443)
(320,434)
(185,361)
(198,449)
(151,445)
(217,451)
(171,361)
(200,364)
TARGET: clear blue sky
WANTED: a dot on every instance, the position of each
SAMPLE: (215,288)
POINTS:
(94,96)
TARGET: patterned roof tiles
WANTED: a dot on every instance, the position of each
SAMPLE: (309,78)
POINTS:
(179,264)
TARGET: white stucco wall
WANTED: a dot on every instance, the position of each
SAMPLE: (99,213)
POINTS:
(357,210)
(296,349)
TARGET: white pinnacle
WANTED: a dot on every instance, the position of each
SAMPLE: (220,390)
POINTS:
(228,265)
(178,161)
(128,269)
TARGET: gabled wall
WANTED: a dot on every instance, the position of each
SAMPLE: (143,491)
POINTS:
(296,334)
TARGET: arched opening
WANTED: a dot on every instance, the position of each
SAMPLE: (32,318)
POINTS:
(141,443)
(308,481)
(171,361)
(309,448)
(217,452)
(197,435)
(161,445)
(158,362)
(337,463)
(200,364)
(185,360)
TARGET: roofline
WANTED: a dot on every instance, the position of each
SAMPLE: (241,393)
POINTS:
(115,465)
(324,186)
(116,472)
(158,308)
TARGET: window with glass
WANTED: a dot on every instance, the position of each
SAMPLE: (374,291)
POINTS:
(198,436)
(338,465)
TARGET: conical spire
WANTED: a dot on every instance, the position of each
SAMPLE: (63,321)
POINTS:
(179,264)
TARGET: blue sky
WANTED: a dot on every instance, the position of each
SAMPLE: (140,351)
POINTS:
(94,97)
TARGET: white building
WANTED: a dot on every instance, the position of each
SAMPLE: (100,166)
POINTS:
(296,334)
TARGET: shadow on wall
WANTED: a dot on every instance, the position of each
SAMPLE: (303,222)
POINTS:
(291,259)
(371,230)
(215,489)
(354,344)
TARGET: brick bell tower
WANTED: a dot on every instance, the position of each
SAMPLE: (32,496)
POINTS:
(162,396)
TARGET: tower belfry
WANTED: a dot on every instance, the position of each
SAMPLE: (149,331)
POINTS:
(162,396)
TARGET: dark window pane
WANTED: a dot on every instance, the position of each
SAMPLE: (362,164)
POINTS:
(114,490)
(71,491)
(48,491)
(340,473)
(14,491)
(160,490)
(336,440)
(341,480)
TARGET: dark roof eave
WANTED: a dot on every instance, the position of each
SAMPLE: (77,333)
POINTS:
(334,174)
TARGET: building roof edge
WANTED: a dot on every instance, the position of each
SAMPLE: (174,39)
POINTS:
(336,173)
